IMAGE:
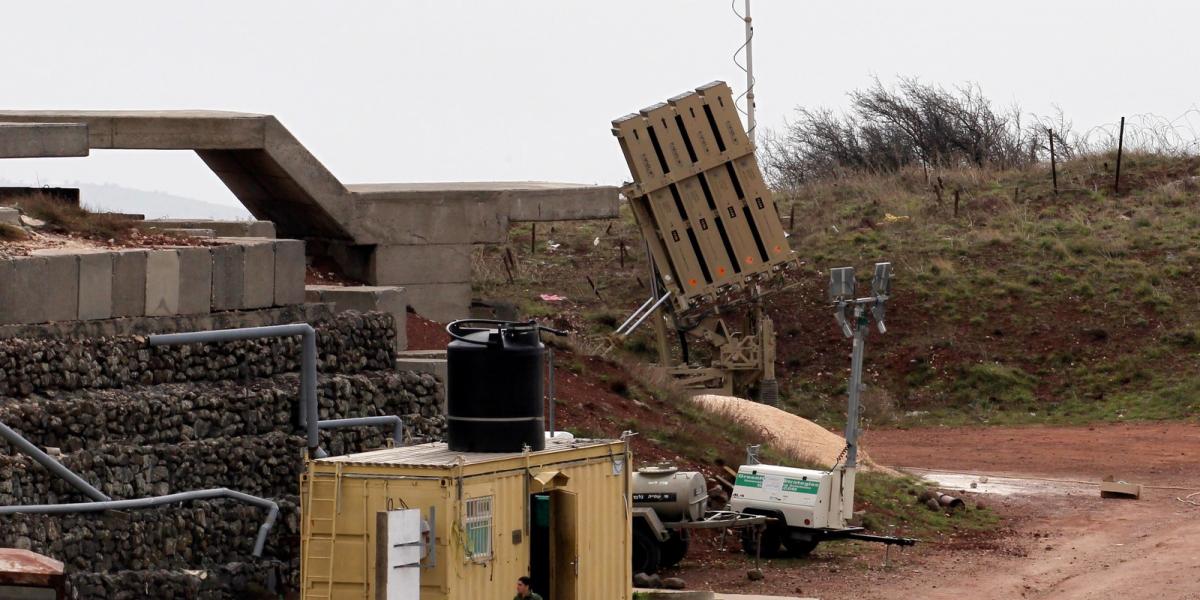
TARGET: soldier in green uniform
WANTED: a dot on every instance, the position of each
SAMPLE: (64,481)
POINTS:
(524,592)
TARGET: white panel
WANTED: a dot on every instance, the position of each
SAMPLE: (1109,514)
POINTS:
(404,554)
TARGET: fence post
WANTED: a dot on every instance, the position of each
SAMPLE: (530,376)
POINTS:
(1120,148)
(1053,162)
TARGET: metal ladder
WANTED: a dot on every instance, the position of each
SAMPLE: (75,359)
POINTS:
(313,555)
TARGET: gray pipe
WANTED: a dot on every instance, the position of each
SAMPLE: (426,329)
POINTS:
(396,422)
(52,509)
(635,314)
(861,326)
(308,363)
(550,378)
(647,314)
(950,501)
(50,464)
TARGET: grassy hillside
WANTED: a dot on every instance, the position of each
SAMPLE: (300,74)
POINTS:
(1026,306)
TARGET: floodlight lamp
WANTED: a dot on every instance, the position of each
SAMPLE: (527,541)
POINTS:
(841,283)
(881,283)
(840,315)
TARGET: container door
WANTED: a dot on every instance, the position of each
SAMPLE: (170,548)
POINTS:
(398,555)
(539,544)
(564,548)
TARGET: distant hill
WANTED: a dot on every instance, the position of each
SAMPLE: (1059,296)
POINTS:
(155,205)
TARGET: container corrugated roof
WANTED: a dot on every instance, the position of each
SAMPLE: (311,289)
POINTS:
(438,454)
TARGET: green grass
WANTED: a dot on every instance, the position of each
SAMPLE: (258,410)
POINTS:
(66,218)
(1018,311)
(1027,307)
(11,234)
(891,507)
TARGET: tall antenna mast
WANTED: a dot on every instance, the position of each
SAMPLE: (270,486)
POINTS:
(750,122)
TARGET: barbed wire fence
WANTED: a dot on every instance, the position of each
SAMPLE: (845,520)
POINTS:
(1146,132)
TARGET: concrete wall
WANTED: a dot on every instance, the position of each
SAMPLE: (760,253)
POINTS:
(70,284)
(374,231)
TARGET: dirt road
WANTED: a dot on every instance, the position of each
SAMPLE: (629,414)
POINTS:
(1160,453)
(1081,546)
(1062,541)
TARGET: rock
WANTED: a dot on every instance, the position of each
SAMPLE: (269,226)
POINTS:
(673,583)
(754,575)
(641,580)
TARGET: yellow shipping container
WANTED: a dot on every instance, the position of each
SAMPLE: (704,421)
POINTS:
(560,515)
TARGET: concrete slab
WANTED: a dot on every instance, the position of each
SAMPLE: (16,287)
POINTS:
(441,302)
(258,274)
(195,280)
(153,129)
(41,140)
(470,212)
(95,285)
(129,283)
(162,283)
(20,294)
(661,594)
(386,299)
(10,216)
(433,366)
(260,229)
(650,593)
(93,272)
(290,269)
(195,233)
(424,263)
(724,596)
(60,286)
(254,229)
(227,277)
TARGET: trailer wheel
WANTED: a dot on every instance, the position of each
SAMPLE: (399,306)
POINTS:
(800,548)
(647,556)
(674,549)
(769,539)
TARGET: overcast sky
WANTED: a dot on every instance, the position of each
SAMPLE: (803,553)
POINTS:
(444,90)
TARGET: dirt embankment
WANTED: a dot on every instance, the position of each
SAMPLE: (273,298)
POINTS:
(804,440)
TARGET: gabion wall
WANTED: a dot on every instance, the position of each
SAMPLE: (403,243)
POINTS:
(138,421)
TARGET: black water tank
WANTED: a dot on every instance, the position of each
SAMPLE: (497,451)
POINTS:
(494,397)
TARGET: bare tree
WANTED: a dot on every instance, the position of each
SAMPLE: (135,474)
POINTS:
(911,123)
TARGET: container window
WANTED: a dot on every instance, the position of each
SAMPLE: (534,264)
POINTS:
(479,528)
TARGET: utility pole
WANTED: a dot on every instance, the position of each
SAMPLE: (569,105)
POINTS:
(750,122)
(854,316)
